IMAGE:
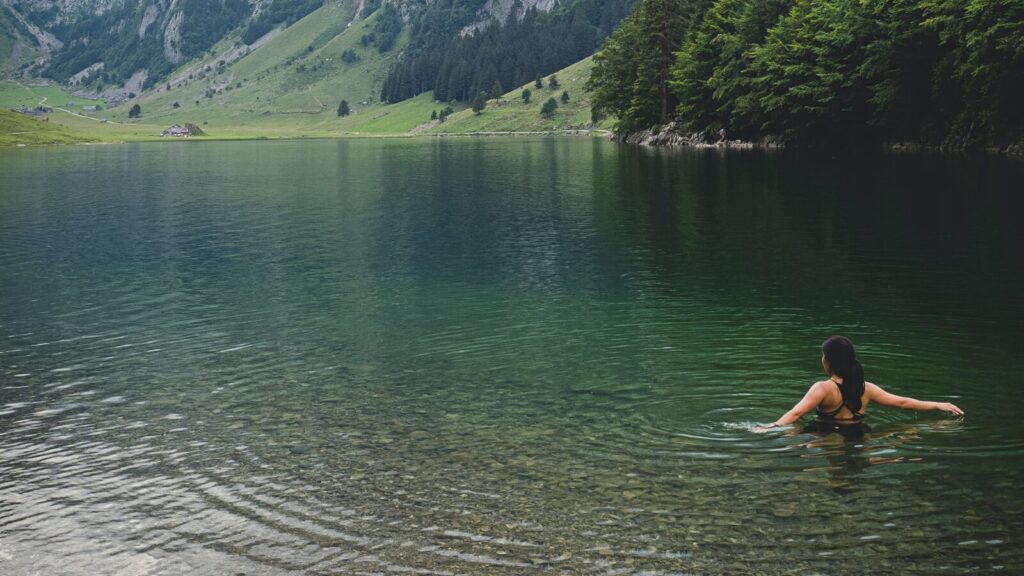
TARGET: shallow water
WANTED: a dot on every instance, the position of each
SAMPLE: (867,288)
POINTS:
(477,356)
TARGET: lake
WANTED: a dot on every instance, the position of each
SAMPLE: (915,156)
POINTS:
(501,356)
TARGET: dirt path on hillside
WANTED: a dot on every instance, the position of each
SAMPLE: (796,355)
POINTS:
(65,110)
(322,107)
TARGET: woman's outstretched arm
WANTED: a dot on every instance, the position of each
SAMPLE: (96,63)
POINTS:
(876,394)
(811,400)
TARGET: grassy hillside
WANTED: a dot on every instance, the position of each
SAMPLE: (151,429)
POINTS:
(17,128)
(290,87)
(511,114)
(16,95)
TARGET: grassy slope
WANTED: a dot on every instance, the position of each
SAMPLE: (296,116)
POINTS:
(517,116)
(15,95)
(291,87)
(16,128)
(86,125)
(286,89)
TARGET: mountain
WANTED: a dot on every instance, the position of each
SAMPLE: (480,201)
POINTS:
(291,75)
(21,43)
(120,49)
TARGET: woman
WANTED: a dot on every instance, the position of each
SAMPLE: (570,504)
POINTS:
(841,400)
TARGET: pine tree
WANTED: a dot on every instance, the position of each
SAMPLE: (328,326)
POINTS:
(808,78)
(538,83)
(496,90)
(479,103)
(135,112)
(433,115)
(343,109)
(526,95)
(719,53)
(553,83)
(612,80)
(631,72)
(548,109)
(565,96)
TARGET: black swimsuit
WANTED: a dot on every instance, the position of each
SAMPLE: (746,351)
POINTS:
(826,422)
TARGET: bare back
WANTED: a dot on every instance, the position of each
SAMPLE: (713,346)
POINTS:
(833,407)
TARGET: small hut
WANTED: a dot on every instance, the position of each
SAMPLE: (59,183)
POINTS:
(36,112)
(179,131)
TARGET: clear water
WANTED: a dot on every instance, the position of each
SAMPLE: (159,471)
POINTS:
(500,356)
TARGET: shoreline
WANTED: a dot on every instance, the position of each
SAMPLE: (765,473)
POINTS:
(666,138)
(670,136)
(343,136)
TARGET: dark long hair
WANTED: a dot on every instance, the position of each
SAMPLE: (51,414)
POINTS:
(842,361)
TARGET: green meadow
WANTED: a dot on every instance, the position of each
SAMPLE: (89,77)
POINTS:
(291,87)
(16,95)
(18,129)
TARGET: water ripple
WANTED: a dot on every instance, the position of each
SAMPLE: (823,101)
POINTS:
(554,364)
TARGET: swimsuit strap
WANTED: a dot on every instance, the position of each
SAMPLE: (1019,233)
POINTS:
(832,414)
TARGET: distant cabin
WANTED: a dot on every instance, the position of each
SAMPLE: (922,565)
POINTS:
(37,112)
(179,131)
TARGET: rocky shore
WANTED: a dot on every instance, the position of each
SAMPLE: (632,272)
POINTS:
(568,132)
(672,134)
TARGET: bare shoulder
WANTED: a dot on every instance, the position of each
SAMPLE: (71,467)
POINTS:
(819,387)
(874,391)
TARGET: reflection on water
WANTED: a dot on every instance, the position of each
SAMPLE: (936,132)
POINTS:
(499,356)
(851,452)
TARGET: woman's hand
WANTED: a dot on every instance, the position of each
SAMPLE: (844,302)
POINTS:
(949,407)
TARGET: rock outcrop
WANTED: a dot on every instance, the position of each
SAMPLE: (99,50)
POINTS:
(672,134)
(498,12)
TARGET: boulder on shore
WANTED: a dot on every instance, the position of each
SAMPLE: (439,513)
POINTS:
(667,135)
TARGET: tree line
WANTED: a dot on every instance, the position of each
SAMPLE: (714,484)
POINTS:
(940,71)
(529,44)
(385,30)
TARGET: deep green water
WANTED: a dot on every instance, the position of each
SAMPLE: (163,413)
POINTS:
(504,356)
